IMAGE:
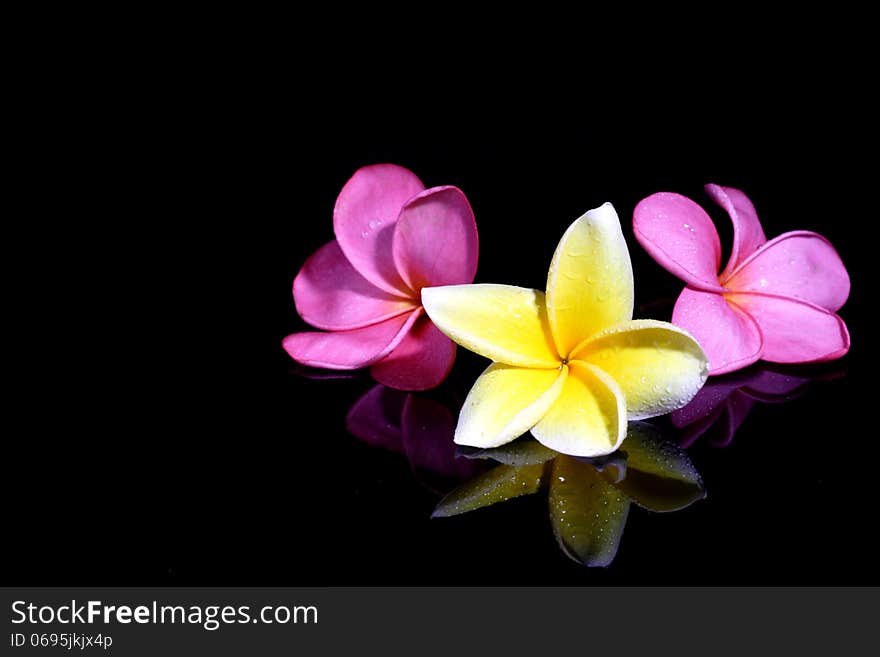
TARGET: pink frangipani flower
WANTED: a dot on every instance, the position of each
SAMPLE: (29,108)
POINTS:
(393,237)
(774,300)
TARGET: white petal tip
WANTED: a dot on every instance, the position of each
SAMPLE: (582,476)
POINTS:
(604,212)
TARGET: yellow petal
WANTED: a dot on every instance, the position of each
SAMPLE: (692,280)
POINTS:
(505,323)
(505,402)
(588,418)
(590,284)
(659,366)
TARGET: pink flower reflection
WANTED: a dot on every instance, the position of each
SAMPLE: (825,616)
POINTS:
(723,404)
(421,429)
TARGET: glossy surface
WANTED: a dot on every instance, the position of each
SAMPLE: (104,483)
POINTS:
(166,439)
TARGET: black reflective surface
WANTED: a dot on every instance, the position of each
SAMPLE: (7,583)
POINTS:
(169,439)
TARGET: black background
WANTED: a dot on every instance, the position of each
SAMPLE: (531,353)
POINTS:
(163,438)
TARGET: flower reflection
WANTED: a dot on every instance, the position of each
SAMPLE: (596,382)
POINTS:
(589,499)
(419,427)
(723,404)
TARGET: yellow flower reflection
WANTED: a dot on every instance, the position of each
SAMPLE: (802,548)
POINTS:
(589,501)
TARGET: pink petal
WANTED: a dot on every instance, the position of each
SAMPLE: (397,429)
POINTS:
(428,431)
(795,331)
(798,264)
(728,336)
(364,218)
(681,237)
(349,350)
(748,234)
(435,239)
(375,418)
(422,360)
(330,294)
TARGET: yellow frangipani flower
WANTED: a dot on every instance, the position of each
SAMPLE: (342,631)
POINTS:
(571,366)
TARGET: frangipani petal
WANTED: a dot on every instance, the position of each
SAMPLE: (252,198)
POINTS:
(504,323)
(681,237)
(729,337)
(658,366)
(589,416)
(349,350)
(498,485)
(588,514)
(795,331)
(590,284)
(748,234)
(421,361)
(659,475)
(505,402)
(364,217)
(330,294)
(435,239)
(797,264)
